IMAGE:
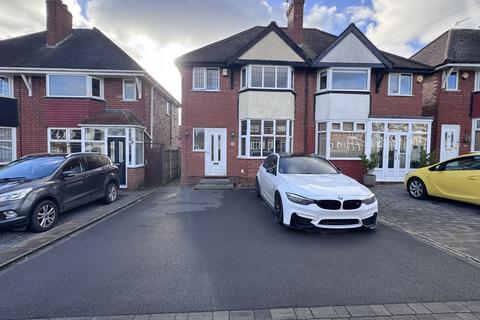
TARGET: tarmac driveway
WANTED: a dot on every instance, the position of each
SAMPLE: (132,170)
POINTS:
(203,250)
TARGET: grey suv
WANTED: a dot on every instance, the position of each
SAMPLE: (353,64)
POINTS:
(36,188)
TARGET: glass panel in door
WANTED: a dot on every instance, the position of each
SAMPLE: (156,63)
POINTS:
(392,144)
(402,154)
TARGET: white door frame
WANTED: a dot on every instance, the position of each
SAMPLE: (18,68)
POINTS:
(216,154)
(453,144)
(396,173)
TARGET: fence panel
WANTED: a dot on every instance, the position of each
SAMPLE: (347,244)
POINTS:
(162,165)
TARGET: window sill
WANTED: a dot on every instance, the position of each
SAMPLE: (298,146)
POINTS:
(199,151)
(251,158)
(136,166)
(129,100)
(204,90)
(342,91)
(452,90)
(400,95)
(75,97)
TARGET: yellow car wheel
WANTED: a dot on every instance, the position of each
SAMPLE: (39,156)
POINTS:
(417,188)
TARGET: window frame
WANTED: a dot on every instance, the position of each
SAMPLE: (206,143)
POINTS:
(399,86)
(88,86)
(68,138)
(288,137)
(329,130)
(457,72)
(135,93)
(193,140)
(475,129)
(330,72)
(205,78)
(169,108)
(10,86)
(248,82)
(477,81)
(13,141)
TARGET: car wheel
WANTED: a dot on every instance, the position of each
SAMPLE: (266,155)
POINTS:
(278,209)
(44,216)
(111,193)
(257,188)
(417,188)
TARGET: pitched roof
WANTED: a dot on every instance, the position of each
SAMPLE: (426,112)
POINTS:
(113,117)
(315,43)
(84,49)
(453,46)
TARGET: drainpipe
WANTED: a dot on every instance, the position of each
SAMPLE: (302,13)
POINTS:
(306,114)
(151,114)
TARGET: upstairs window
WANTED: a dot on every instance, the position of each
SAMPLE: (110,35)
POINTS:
(477,81)
(452,81)
(400,84)
(266,77)
(343,79)
(207,79)
(169,109)
(5,87)
(129,90)
(75,86)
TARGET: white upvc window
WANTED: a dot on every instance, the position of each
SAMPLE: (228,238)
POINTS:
(341,140)
(477,81)
(169,108)
(343,79)
(8,145)
(6,87)
(65,140)
(451,83)
(139,147)
(261,138)
(129,90)
(266,77)
(198,139)
(74,86)
(476,135)
(400,84)
(206,79)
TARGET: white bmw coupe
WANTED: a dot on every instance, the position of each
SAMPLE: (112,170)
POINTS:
(308,192)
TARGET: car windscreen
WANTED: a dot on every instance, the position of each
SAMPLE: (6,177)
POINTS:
(30,168)
(305,165)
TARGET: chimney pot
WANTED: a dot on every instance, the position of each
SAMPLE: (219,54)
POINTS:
(295,20)
(59,22)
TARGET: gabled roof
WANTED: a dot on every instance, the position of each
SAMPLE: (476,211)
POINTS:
(453,46)
(84,49)
(316,42)
(113,117)
(353,29)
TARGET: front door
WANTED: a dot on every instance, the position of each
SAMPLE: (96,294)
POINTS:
(116,152)
(450,142)
(396,156)
(216,152)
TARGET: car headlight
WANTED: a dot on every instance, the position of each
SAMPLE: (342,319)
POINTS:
(15,195)
(299,199)
(371,199)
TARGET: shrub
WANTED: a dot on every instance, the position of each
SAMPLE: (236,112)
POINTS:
(369,164)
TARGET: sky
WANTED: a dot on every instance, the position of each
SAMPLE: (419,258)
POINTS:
(154,32)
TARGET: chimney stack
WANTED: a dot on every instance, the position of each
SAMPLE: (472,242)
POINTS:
(295,20)
(59,22)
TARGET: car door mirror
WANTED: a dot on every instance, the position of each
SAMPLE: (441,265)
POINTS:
(271,170)
(68,174)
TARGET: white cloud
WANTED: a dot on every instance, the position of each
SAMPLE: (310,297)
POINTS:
(325,18)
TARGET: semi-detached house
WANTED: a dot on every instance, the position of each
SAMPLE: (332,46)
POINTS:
(301,90)
(73,90)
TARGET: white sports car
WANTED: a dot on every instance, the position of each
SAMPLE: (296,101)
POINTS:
(307,192)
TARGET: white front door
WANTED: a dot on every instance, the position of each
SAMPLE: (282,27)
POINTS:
(216,152)
(396,161)
(450,141)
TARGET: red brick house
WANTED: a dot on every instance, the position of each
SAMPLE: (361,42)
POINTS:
(452,92)
(301,90)
(73,90)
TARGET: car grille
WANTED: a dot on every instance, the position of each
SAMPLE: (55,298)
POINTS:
(338,222)
(329,204)
(352,204)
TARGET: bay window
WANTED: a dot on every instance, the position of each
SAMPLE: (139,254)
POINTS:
(64,140)
(95,140)
(476,135)
(343,79)
(7,145)
(266,77)
(261,138)
(74,86)
(400,84)
(5,87)
(207,79)
(341,140)
(139,149)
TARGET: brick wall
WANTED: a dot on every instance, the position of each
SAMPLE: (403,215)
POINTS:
(135,178)
(165,128)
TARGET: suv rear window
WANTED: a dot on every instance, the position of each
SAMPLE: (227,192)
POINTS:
(93,162)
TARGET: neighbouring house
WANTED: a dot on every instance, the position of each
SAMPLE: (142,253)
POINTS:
(452,92)
(301,90)
(73,90)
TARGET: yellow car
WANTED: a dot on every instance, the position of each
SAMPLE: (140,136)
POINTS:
(456,179)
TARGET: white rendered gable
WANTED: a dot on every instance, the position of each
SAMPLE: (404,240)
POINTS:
(271,47)
(351,50)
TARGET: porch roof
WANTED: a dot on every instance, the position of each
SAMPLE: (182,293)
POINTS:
(113,117)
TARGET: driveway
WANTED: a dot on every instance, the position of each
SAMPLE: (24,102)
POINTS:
(203,251)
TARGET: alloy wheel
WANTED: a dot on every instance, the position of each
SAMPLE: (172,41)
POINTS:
(112,192)
(46,216)
(416,189)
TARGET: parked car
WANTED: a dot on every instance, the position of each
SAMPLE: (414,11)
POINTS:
(35,189)
(309,192)
(456,179)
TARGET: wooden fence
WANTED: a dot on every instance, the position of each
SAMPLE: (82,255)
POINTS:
(161,165)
